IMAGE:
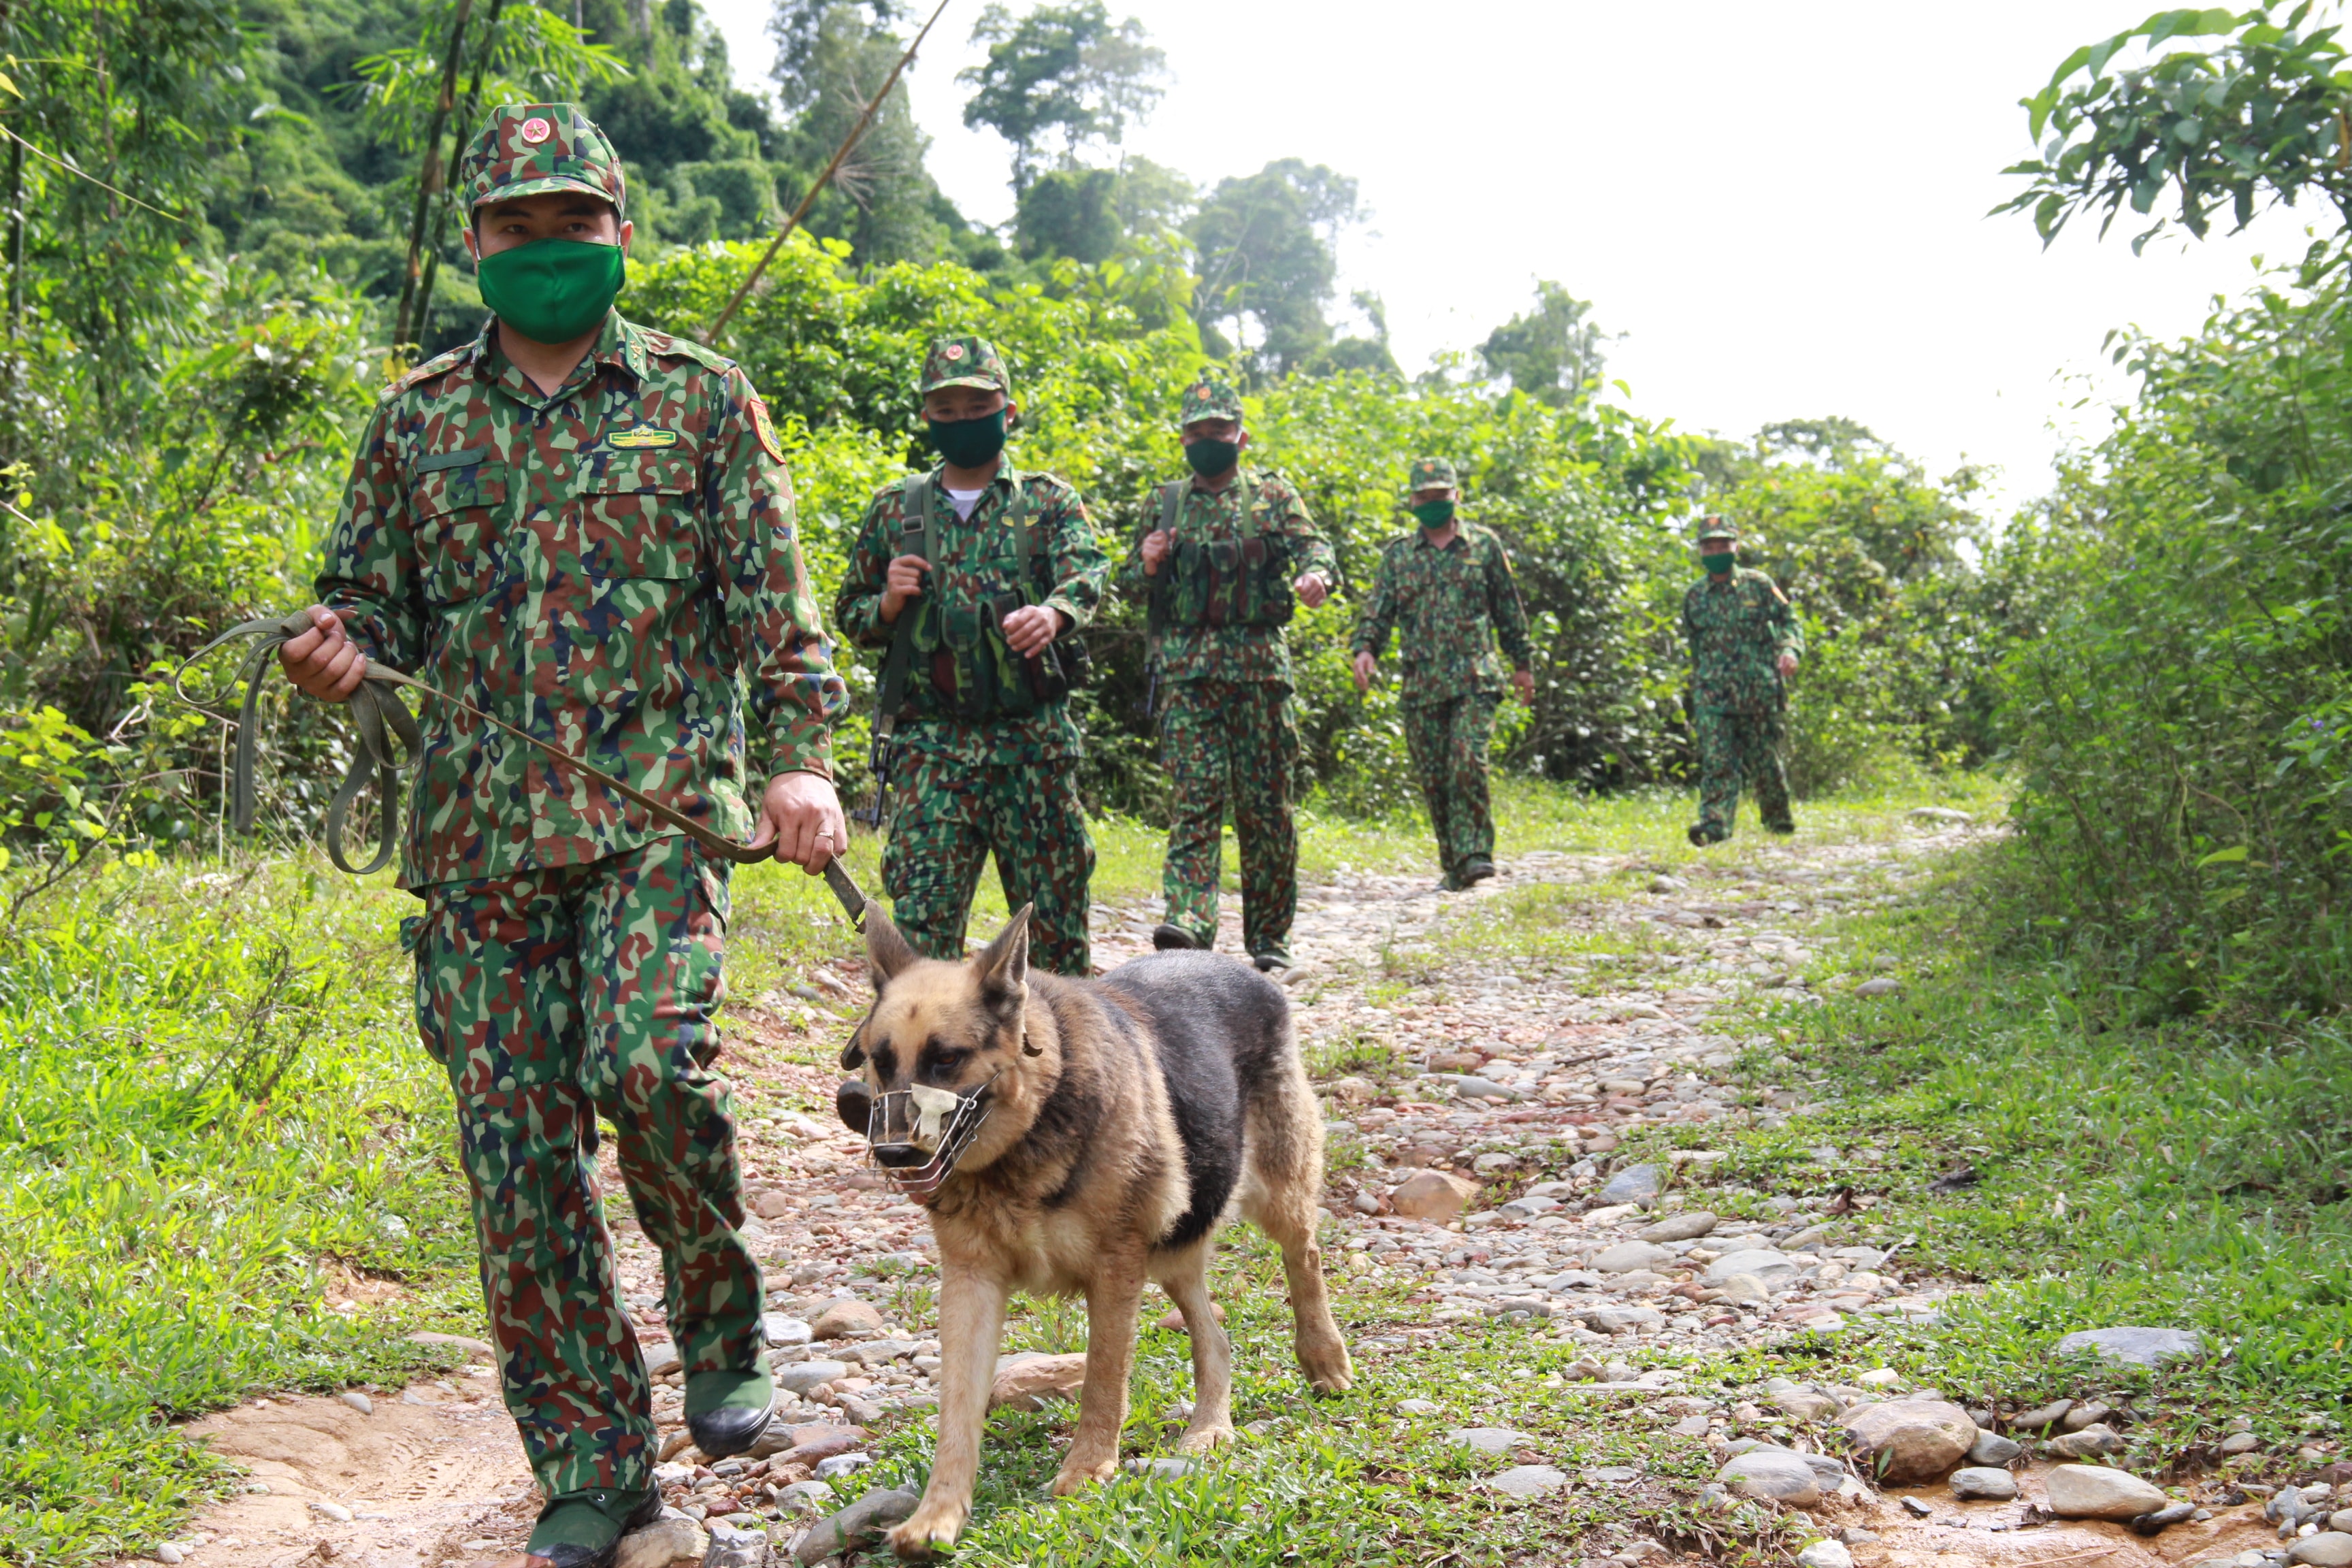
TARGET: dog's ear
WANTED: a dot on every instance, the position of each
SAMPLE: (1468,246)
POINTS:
(853,1103)
(852,1055)
(1003,964)
(886,953)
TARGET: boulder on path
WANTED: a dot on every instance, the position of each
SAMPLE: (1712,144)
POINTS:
(1984,1483)
(1432,1195)
(1631,1186)
(1679,1228)
(847,1319)
(2134,1347)
(1774,1475)
(2328,1548)
(1489,1439)
(663,1543)
(2094,1491)
(1763,1262)
(1628,1256)
(1528,1480)
(1905,1441)
(1026,1381)
(860,1525)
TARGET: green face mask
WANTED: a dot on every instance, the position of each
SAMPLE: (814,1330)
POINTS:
(1433,514)
(969,443)
(1209,458)
(1718,562)
(554,290)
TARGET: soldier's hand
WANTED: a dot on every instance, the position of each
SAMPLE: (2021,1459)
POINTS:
(1365,664)
(1787,665)
(801,815)
(1031,627)
(1523,682)
(1155,551)
(1311,589)
(324,662)
(902,581)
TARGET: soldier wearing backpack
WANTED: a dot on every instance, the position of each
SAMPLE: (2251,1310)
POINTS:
(974,578)
(1227,554)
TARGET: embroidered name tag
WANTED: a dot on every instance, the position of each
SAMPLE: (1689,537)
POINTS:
(640,437)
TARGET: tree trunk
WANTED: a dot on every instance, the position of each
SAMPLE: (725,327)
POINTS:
(456,155)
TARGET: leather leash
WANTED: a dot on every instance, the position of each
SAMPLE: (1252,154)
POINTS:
(378,716)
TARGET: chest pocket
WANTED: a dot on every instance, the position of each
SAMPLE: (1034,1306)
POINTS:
(639,517)
(457,501)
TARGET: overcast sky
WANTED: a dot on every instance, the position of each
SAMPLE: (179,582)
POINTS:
(1781,207)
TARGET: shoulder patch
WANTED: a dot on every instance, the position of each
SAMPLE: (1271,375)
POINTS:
(766,429)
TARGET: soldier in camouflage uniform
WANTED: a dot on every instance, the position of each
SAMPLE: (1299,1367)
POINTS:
(1449,585)
(971,578)
(1744,642)
(584,527)
(1219,563)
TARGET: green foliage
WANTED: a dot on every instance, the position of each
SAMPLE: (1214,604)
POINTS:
(1266,244)
(1059,70)
(2260,117)
(1552,353)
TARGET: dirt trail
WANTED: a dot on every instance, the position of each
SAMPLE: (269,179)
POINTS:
(1508,1066)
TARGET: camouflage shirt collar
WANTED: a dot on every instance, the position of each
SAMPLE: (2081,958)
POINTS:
(1461,537)
(621,344)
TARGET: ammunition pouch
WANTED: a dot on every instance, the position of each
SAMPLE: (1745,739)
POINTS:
(1243,582)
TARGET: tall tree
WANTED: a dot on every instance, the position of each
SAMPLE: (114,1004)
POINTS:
(1060,71)
(831,56)
(1268,244)
(1551,353)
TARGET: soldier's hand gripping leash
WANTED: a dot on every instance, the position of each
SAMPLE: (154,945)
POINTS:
(376,708)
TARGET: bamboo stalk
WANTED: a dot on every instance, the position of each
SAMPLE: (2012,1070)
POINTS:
(428,175)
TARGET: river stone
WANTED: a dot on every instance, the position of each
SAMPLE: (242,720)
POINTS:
(1984,1483)
(801,1376)
(847,1319)
(2328,1548)
(1905,1441)
(1528,1481)
(2094,1491)
(1608,1319)
(1630,1186)
(1679,1228)
(860,1525)
(2091,1441)
(1744,1290)
(2134,1347)
(1825,1555)
(1432,1195)
(1627,1256)
(2040,1416)
(1489,1439)
(1774,1475)
(1763,1262)
(663,1543)
(1804,1407)
(1026,1381)
(1993,1449)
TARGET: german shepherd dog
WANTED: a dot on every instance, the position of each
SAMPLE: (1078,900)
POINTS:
(1099,1134)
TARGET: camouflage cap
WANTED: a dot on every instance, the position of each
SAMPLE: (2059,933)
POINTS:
(1211,395)
(1714,527)
(530,148)
(964,361)
(1429,474)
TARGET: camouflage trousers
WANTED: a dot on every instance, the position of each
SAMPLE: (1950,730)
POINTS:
(551,997)
(950,817)
(1448,743)
(1230,740)
(1733,747)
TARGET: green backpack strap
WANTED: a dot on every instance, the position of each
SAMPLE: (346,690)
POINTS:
(915,526)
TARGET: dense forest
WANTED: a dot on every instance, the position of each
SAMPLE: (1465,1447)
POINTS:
(213,209)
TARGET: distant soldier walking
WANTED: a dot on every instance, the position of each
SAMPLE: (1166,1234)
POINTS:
(1226,553)
(973,576)
(584,527)
(1744,643)
(1448,584)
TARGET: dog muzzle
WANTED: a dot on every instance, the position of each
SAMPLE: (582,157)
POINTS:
(915,1136)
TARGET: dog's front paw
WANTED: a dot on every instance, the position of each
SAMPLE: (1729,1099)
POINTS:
(1201,1439)
(1077,1478)
(929,1534)
(1328,1372)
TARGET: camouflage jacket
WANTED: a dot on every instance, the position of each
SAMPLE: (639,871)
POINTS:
(980,556)
(1452,604)
(607,567)
(1231,653)
(1737,630)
